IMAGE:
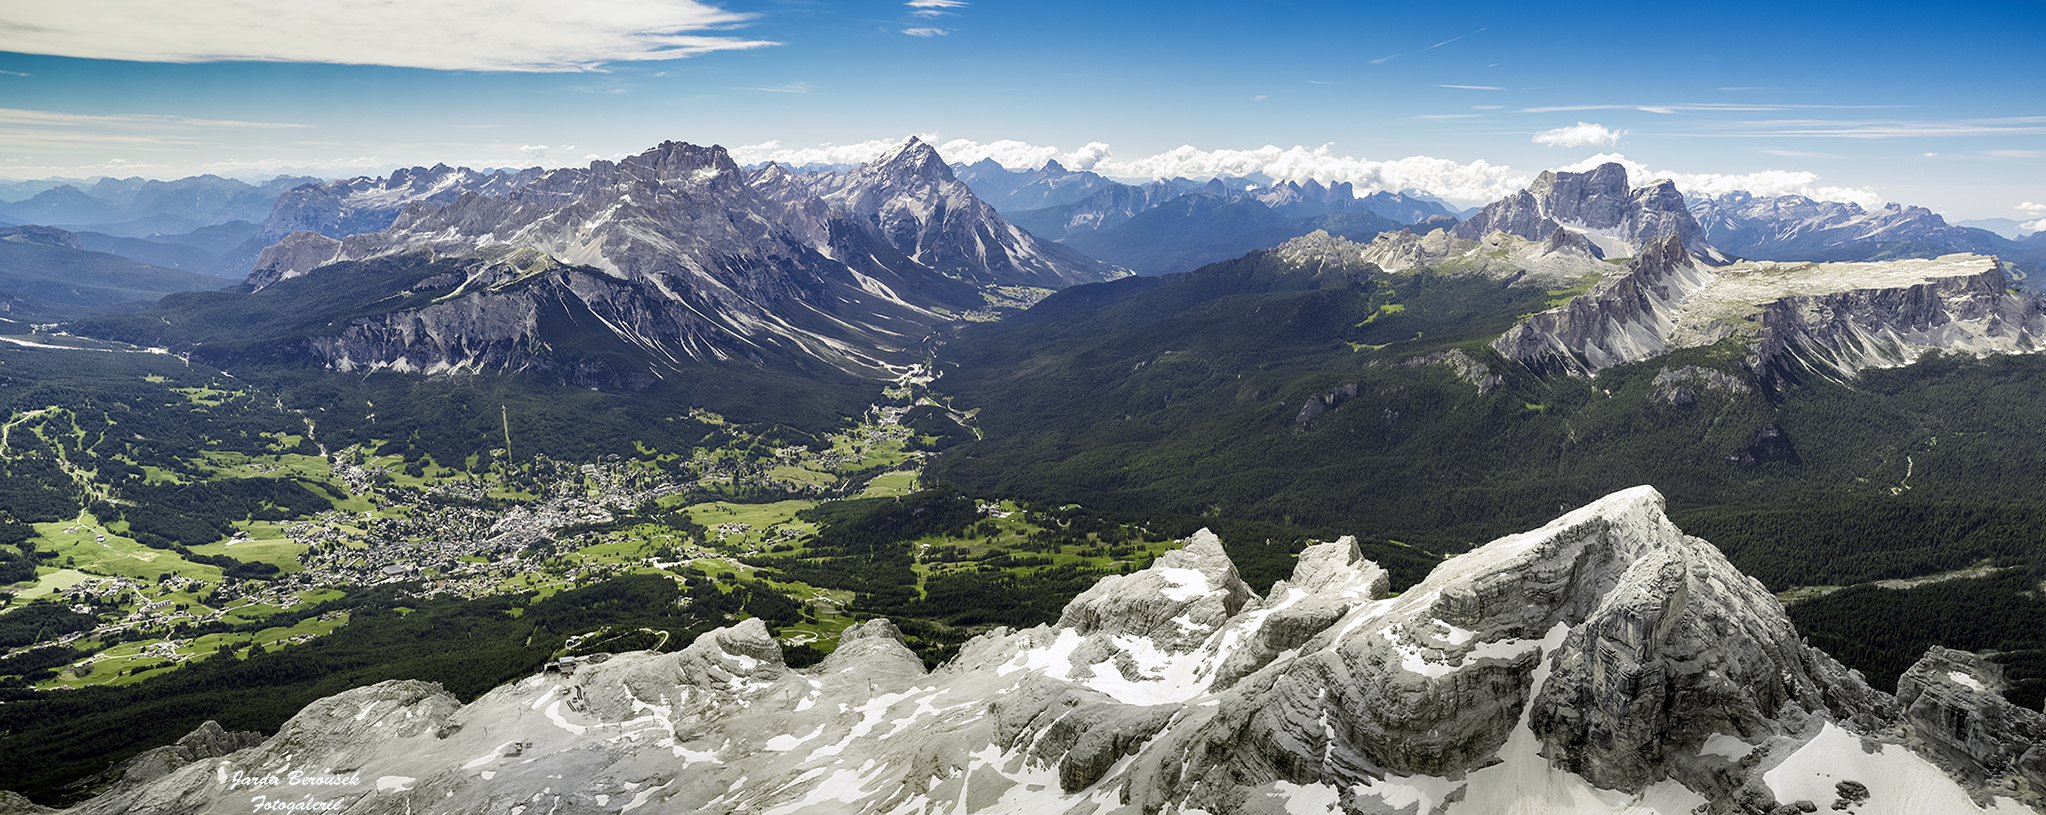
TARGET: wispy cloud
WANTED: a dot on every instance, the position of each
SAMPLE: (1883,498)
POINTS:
(13,73)
(936,3)
(926,32)
(1764,183)
(1449,116)
(1385,59)
(50,118)
(1473,87)
(792,87)
(495,35)
(1796,153)
(1701,108)
(1452,39)
(1890,129)
(1478,181)
(1582,134)
(2015,153)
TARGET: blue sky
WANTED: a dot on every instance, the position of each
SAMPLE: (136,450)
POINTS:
(1938,106)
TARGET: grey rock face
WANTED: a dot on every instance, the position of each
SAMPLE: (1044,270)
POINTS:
(1599,206)
(14,803)
(1466,368)
(681,255)
(353,206)
(1954,706)
(1605,663)
(1624,319)
(1838,318)
(1680,387)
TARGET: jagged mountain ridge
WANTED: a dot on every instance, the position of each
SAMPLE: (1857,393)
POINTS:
(1010,191)
(1605,662)
(676,255)
(351,206)
(1793,227)
(1835,318)
(1600,206)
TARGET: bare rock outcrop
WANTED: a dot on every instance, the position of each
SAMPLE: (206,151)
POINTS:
(1605,663)
(1953,704)
(1835,318)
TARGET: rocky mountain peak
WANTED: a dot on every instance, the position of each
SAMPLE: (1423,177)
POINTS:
(1177,602)
(911,159)
(1605,663)
(1597,204)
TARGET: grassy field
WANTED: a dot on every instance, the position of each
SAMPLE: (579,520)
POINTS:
(87,546)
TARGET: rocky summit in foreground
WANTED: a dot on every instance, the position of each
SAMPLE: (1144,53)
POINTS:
(1605,663)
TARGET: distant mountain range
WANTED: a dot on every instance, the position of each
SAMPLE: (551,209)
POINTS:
(48,274)
(1175,225)
(687,258)
(1793,227)
(179,224)
(620,275)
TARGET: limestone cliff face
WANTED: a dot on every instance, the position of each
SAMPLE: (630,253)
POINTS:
(1837,318)
(678,254)
(1599,206)
(350,206)
(1605,663)
(1628,317)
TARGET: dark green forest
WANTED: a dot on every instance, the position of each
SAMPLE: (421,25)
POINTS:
(468,646)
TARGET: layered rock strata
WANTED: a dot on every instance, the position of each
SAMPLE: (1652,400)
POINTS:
(1605,663)
(1836,318)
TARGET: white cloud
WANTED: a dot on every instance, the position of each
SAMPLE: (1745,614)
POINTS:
(1473,87)
(858,153)
(926,33)
(451,35)
(50,118)
(2033,226)
(2030,208)
(1582,134)
(1473,183)
(536,151)
(936,3)
(1765,183)
(1476,181)
(1023,155)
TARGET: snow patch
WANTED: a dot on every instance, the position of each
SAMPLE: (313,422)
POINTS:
(1187,584)
(785,742)
(1898,781)
(1729,747)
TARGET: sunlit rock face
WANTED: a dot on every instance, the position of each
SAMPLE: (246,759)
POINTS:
(678,256)
(1599,206)
(1837,318)
(1604,663)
